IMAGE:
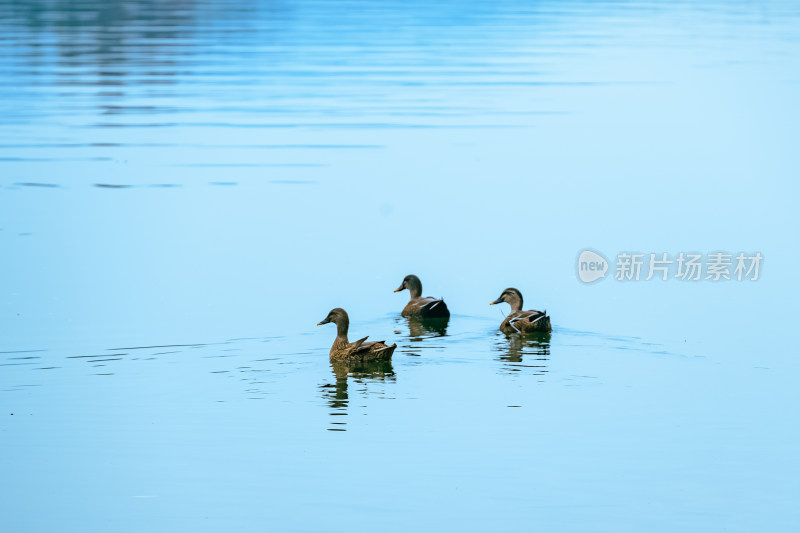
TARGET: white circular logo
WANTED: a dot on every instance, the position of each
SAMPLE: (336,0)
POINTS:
(592,266)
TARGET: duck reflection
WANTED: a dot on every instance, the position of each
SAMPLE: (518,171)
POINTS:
(524,353)
(419,330)
(363,376)
(423,328)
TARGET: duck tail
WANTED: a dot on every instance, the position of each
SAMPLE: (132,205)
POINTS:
(385,352)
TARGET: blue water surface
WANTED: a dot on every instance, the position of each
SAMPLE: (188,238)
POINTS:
(187,188)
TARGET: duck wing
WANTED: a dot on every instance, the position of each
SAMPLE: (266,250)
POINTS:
(433,308)
(358,345)
(534,315)
(528,322)
(378,351)
(432,304)
(367,346)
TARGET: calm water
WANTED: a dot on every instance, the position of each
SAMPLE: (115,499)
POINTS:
(187,188)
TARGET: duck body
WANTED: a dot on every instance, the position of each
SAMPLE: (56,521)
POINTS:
(426,307)
(526,322)
(419,306)
(359,351)
(519,321)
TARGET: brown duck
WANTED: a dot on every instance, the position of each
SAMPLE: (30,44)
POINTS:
(343,350)
(520,321)
(417,306)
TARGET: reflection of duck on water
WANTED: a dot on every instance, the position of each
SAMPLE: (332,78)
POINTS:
(337,393)
(375,370)
(420,328)
(535,347)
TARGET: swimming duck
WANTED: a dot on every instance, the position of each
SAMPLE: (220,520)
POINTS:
(343,350)
(520,321)
(426,307)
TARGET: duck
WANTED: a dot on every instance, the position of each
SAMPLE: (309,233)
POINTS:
(417,306)
(520,321)
(358,351)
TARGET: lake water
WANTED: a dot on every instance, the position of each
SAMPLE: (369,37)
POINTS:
(187,188)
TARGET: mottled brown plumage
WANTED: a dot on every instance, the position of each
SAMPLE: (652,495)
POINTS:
(418,306)
(519,321)
(358,351)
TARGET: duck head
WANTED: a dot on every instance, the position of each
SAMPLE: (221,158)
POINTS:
(339,317)
(512,297)
(413,284)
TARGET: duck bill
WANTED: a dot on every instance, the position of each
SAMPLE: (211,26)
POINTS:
(498,301)
(398,289)
(323,322)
